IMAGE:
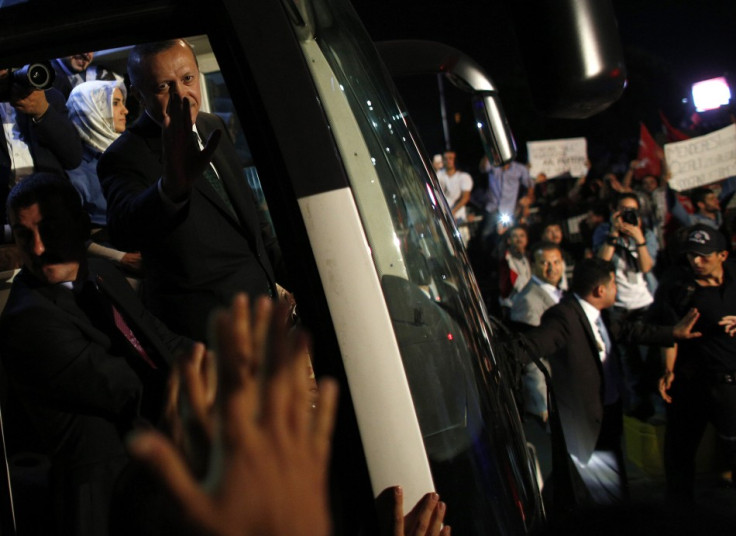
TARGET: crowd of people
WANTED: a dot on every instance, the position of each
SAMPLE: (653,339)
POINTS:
(96,207)
(600,264)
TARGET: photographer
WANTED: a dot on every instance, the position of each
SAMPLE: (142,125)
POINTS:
(36,136)
(632,250)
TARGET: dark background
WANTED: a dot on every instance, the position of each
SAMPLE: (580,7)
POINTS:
(668,45)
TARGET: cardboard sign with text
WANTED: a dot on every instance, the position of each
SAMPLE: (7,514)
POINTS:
(557,157)
(702,160)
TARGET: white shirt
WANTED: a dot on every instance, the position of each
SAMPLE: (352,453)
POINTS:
(453,186)
(611,374)
(593,315)
(21,160)
(632,290)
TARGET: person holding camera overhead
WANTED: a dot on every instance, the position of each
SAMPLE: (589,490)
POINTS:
(37,135)
(632,249)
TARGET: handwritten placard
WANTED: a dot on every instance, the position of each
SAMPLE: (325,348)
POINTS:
(702,160)
(557,157)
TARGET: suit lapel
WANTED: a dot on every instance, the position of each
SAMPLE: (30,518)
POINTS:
(245,219)
(227,175)
(233,178)
(588,329)
(64,298)
(150,131)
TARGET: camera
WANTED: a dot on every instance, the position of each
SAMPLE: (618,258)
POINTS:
(630,216)
(37,75)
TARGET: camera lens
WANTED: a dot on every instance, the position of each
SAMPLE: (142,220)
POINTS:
(630,217)
(39,76)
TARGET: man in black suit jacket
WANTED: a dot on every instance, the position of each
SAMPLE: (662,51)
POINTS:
(586,373)
(76,69)
(42,123)
(182,201)
(81,376)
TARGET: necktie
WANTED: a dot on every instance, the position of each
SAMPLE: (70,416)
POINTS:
(603,332)
(97,306)
(122,325)
(610,371)
(216,183)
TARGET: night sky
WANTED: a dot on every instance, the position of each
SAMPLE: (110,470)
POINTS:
(667,44)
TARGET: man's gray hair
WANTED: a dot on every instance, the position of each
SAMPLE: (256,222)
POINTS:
(142,52)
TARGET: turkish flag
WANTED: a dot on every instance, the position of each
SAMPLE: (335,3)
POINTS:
(671,132)
(649,155)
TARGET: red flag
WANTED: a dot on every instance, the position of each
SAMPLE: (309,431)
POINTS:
(671,132)
(686,203)
(649,156)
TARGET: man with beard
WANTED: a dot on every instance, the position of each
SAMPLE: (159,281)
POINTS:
(699,381)
(84,359)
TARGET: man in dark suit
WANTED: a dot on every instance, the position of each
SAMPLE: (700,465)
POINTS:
(83,357)
(586,375)
(182,201)
(42,138)
(77,68)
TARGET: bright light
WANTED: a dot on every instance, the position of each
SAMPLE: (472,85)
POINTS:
(431,195)
(504,219)
(711,94)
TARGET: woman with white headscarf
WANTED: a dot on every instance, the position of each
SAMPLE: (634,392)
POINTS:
(97,109)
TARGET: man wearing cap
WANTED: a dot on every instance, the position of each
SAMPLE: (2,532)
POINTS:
(699,381)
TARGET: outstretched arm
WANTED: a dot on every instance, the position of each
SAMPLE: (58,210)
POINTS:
(683,330)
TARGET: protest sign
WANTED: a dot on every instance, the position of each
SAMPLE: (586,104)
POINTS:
(557,157)
(702,160)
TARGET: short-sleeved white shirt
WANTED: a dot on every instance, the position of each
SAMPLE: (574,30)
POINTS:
(453,187)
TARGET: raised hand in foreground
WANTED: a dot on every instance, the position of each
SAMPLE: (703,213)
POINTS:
(268,473)
(425,519)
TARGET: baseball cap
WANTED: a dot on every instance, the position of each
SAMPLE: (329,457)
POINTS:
(703,240)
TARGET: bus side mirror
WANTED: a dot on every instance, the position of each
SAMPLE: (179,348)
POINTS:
(405,58)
